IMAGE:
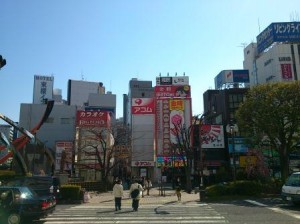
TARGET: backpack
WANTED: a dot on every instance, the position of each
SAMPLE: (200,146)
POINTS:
(135,193)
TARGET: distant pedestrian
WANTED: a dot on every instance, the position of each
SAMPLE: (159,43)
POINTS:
(178,189)
(118,194)
(135,192)
(142,182)
(147,185)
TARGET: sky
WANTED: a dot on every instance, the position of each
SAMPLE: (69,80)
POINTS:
(113,41)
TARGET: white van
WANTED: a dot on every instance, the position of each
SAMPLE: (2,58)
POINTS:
(291,189)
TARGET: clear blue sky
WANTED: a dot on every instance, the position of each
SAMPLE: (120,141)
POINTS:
(112,41)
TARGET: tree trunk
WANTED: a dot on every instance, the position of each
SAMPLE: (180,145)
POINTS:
(284,163)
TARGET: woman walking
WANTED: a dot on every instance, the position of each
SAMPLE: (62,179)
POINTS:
(118,194)
(135,192)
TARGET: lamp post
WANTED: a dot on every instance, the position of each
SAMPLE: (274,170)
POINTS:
(232,129)
(200,149)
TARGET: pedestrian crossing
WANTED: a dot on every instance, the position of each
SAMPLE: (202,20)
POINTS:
(161,214)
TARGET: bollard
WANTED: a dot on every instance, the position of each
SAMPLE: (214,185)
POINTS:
(202,195)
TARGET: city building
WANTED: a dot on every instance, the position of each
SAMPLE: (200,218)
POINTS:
(276,55)
(140,118)
(220,106)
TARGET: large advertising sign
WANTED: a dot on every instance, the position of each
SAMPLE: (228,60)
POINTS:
(286,71)
(168,113)
(176,119)
(92,119)
(172,91)
(212,136)
(63,149)
(142,106)
(278,32)
(232,76)
(42,89)
(172,80)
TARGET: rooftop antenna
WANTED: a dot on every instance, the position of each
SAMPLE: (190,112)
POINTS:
(168,74)
(175,73)
(184,74)
(160,74)
(243,45)
(258,25)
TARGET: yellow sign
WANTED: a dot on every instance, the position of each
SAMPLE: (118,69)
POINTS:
(247,161)
(176,105)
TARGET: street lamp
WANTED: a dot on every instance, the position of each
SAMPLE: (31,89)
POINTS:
(232,129)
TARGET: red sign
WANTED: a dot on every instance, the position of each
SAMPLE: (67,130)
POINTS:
(172,91)
(92,119)
(142,106)
(286,71)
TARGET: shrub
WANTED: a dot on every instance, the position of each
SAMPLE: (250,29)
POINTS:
(249,188)
(217,190)
(241,188)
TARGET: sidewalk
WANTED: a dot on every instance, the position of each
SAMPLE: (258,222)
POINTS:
(154,197)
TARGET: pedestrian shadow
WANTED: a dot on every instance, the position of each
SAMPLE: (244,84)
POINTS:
(115,212)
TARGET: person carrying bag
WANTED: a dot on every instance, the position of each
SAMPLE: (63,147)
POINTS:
(135,192)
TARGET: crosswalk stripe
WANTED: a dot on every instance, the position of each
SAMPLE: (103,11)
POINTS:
(152,214)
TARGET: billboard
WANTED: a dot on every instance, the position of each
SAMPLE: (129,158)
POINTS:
(232,76)
(92,119)
(212,136)
(142,106)
(180,91)
(172,80)
(278,32)
(286,71)
(168,112)
(42,89)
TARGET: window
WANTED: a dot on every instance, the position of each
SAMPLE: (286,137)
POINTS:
(65,121)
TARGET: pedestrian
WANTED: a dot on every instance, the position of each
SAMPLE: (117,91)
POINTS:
(178,189)
(148,185)
(135,192)
(118,194)
(142,182)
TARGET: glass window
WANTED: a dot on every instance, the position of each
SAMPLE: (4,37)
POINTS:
(65,121)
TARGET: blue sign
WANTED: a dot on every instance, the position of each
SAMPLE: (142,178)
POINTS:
(278,32)
(241,76)
(240,145)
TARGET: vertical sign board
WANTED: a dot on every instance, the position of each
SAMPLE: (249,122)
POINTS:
(67,148)
(173,104)
(176,118)
(43,89)
(286,71)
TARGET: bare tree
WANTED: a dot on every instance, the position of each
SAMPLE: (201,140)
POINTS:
(98,149)
(183,147)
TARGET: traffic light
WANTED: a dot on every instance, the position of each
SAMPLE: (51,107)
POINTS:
(2,62)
